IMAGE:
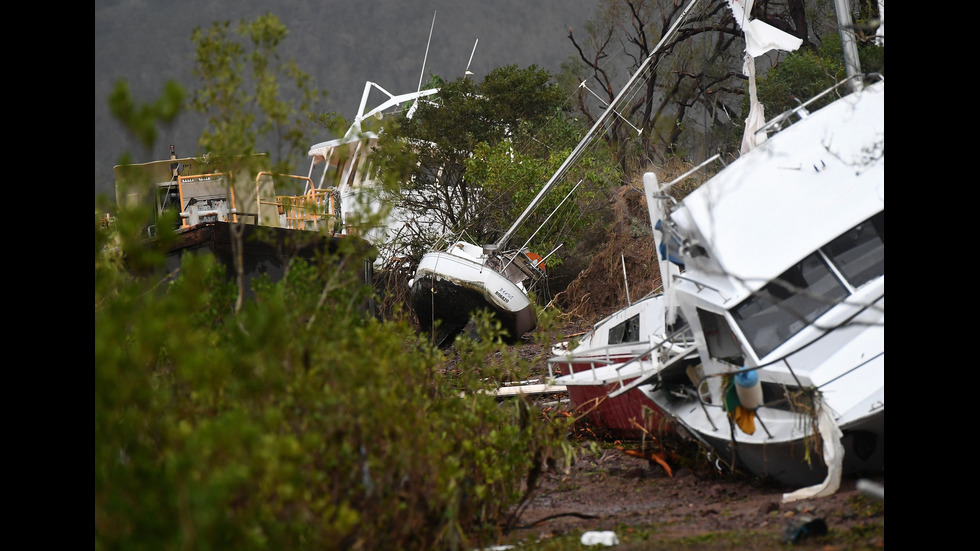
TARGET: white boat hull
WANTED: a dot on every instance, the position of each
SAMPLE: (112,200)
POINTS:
(449,288)
(777,450)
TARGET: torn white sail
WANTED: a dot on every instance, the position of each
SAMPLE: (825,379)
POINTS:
(760,37)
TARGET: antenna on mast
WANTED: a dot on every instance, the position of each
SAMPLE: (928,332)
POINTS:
(424,59)
(467,71)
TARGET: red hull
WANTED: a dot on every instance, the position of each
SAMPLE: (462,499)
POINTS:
(625,416)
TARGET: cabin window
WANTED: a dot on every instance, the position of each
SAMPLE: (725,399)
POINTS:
(721,341)
(627,331)
(859,254)
(789,303)
(803,293)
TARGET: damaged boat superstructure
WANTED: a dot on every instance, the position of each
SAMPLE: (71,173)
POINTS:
(344,167)
(602,367)
(234,212)
(783,290)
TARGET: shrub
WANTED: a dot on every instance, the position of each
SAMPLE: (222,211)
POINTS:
(296,423)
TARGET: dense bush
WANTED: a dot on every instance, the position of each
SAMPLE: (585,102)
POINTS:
(295,423)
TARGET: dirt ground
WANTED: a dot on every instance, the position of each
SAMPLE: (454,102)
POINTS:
(694,507)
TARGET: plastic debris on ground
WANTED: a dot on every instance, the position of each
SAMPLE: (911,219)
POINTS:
(606,538)
(803,528)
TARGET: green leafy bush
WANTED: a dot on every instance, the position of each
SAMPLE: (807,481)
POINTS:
(296,423)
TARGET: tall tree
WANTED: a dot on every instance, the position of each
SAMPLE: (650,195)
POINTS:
(468,147)
(691,70)
(250,96)
(692,96)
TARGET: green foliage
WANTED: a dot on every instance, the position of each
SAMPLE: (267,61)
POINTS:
(295,423)
(805,73)
(142,120)
(248,94)
(512,117)
(294,420)
(802,75)
(513,171)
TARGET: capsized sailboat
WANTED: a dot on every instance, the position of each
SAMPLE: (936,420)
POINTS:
(450,283)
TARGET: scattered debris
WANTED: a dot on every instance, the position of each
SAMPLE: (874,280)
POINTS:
(652,457)
(804,527)
(607,538)
(528,387)
(871,489)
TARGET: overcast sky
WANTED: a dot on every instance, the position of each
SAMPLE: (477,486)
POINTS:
(340,43)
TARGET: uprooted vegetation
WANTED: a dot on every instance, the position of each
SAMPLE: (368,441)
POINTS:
(601,287)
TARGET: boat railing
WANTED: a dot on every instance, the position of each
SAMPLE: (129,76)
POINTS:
(314,210)
(663,353)
(671,352)
(591,375)
(702,286)
(801,111)
(698,392)
(446,237)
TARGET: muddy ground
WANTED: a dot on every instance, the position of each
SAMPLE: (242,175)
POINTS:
(694,507)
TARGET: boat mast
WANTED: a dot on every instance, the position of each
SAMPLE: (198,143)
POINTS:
(426,58)
(852,64)
(595,127)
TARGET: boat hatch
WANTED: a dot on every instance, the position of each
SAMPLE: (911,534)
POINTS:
(801,294)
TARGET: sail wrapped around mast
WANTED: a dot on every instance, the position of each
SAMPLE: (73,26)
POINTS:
(760,37)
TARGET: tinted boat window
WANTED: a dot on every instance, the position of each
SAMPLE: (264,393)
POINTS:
(859,253)
(628,331)
(789,303)
(718,335)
